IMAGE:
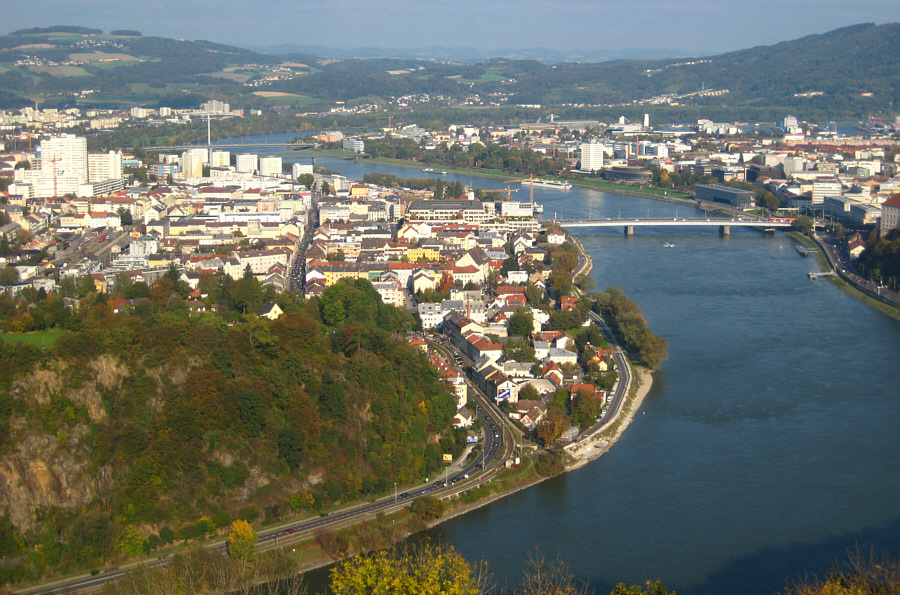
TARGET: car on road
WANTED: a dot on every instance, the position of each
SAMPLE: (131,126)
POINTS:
(288,531)
(404,495)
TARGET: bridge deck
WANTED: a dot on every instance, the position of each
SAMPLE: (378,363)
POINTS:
(671,222)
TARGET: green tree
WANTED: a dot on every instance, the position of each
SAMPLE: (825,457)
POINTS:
(9,275)
(132,541)
(307,180)
(125,218)
(427,508)
(803,224)
(290,447)
(519,350)
(423,570)
(584,409)
(241,541)
(252,412)
(535,295)
(584,282)
(247,295)
(521,323)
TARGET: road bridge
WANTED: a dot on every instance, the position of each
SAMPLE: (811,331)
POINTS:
(295,146)
(629,223)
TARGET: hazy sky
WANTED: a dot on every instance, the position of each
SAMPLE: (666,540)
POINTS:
(690,27)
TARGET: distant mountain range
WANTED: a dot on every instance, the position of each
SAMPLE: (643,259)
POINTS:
(459,54)
(845,73)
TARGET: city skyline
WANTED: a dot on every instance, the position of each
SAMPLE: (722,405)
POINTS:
(689,27)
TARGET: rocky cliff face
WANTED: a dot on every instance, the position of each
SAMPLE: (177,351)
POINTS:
(45,471)
(50,465)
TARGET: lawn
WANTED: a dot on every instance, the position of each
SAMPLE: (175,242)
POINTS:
(291,100)
(38,339)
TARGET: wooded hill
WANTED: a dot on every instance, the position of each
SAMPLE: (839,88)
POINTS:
(833,69)
(161,424)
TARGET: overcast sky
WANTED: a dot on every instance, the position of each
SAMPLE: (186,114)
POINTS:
(686,27)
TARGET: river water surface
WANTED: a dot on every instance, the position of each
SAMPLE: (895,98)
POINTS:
(768,446)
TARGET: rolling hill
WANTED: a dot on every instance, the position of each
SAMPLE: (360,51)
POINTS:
(853,70)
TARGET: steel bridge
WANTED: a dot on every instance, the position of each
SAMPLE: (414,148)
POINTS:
(629,223)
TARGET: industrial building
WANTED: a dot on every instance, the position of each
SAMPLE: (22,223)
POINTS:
(740,199)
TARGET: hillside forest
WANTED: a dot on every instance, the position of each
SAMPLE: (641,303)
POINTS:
(163,424)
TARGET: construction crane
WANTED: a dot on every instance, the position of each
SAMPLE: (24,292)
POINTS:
(508,192)
(530,181)
(389,118)
(55,173)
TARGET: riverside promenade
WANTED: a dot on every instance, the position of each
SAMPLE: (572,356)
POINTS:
(599,438)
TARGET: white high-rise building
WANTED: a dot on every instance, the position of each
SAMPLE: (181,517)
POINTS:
(792,164)
(270,166)
(214,106)
(104,166)
(221,159)
(65,155)
(825,188)
(591,156)
(247,163)
(298,169)
(646,120)
(192,163)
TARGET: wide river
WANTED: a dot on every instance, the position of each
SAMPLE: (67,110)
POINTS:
(768,447)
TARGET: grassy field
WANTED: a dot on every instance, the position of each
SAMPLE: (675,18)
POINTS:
(38,339)
(291,100)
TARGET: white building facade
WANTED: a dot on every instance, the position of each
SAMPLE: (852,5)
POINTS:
(591,156)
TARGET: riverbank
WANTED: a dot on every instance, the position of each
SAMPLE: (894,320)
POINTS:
(660,194)
(840,280)
(603,440)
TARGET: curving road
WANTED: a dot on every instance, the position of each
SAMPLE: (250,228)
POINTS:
(622,385)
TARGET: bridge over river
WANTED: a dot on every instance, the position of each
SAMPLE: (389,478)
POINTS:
(294,146)
(630,223)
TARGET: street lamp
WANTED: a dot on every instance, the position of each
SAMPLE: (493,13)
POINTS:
(395,492)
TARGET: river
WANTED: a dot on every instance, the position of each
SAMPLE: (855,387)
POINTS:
(768,446)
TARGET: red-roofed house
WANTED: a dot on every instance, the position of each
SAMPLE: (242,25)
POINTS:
(568,302)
